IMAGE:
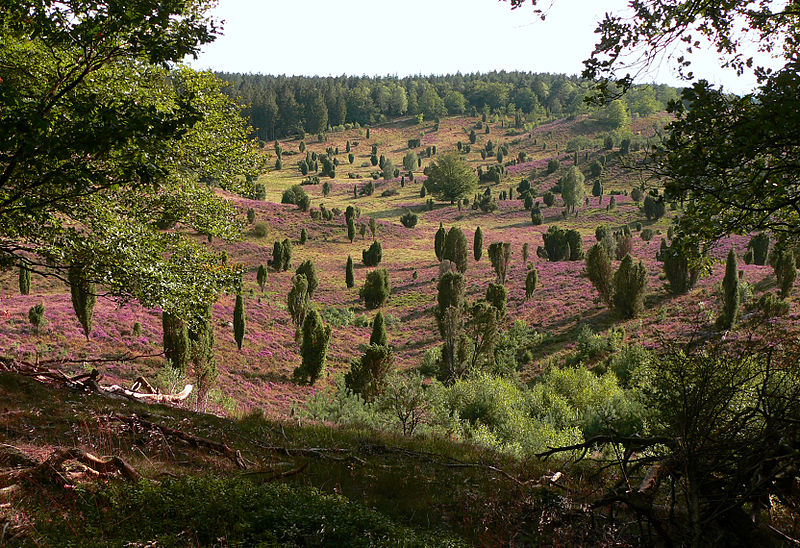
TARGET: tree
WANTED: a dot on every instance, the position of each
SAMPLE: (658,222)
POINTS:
(499,256)
(277,256)
(298,299)
(600,272)
(373,255)
(175,341)
(239,321)
(531,280)
(376,289)
(388,170)
(378,335)
(24,280)
(731,301)
(785,271)
(681,276)
(497,296)
(84,295)
(286,254)
(438,242)
(145,152)
(450,178)
(630,281)
(455,248)
(572,189)
(351,229)
(261,276)
(349,274)
(313,348)
(477,244)
(410,161)
(308,270)
(654,208)
(369,374)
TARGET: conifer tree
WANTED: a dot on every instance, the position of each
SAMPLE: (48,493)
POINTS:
(455,248)
(378,335)
(785,272)
(261,276)
(600,272)
(500,255)
(730,293)
(477,244)
(531,280)
(630,281)
(24,280)
(175,341)
(297,300)
(308,269)
(349,274)
(438,242)
(313,348)
(84,296)
(239,321)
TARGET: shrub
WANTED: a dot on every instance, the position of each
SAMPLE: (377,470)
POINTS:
(261,276)
(277,256)
(313,348)
(455,248)
(600,232)
(409,219)
(785,272)
(680,277)
(368,375)
(499,255)
(260,230)
(477,244)
(308,270)
(536,216)
(575,242)
(376,289)
(531,280)
(599,271)
(637,194)
(630,281)
(759,244)
(373,255)
(730,293)
(24,280)
(654,208)
(175,339)
(549,198)
(239,321)
(296,195)
(286,255)
(84,296)
(553,165)
(36,317)
(260,192)
(624,247)
(349,274)
(647,234)
(772,306)
(251,215)
(303,236)
(351,229)
(556,245)
(497,296)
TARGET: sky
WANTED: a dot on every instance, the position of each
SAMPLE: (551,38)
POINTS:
(369,37)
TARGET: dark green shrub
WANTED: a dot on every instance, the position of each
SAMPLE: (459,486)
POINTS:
(351,229)
(477,244)
(549,198)
(637,194)
(630,281)
(680,277)
(438,242)
(595,170)
(239,321)
(286,255)
(455,248)
(536,216)
(772,306)
(303,236)
(575,242)
(654,208)
(261,276)
(624,246)
(373,255)
(313,348)
(497,296)
(296,195)
(449,292)
(368,375)
(260,230)
(326,188)
(409,219)
(597,188)
(297,300)
(84,296)
(760,246)
(24,280)
(600,272)
(251,215)
(731,302)
(647,234)
(376,289)
(553,165)
(36,317)
(600,232)
(175,339)
(277,256)
(785,271)
(308,270)
(556,245)
(378,335)
(531,280)
(499,255)
(349,273)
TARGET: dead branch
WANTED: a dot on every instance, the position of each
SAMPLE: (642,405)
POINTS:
(629,442)
(280,475)
(194,441)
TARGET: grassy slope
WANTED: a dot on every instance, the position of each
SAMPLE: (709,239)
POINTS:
(479,505)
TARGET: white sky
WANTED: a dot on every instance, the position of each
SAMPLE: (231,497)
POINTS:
(375,37)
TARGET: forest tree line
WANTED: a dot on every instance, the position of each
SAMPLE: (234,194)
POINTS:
(281,106)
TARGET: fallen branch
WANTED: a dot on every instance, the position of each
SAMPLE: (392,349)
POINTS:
(629,442)
(192,440)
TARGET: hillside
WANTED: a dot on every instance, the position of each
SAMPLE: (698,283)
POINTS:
(258,408)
